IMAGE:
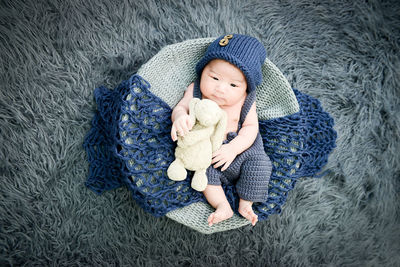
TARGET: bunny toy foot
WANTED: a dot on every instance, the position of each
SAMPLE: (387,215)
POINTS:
(199,181)
(176,171)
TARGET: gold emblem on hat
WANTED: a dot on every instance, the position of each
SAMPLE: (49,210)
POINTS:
(224,41)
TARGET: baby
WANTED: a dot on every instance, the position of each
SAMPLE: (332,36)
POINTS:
(228,74)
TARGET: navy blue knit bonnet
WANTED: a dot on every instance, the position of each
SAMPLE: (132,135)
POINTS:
(245,52)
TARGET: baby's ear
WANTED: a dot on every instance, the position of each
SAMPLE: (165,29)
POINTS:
(192,113)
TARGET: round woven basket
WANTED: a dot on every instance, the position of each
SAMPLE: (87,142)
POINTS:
(129,143)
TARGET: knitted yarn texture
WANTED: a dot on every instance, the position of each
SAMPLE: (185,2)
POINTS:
(245,52)
(129,142)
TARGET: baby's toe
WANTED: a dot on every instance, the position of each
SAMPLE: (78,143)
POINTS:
(210,219)
(254,219)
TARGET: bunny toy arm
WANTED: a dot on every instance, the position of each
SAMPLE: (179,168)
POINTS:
(218,137)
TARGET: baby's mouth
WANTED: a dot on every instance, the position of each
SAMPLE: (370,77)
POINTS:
(218,98)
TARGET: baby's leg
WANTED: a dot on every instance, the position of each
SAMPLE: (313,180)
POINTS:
(246,211)
(215,195)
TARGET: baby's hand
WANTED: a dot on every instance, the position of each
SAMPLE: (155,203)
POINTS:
(182,125)
(224,156)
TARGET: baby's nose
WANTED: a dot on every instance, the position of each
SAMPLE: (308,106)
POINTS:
(221,88)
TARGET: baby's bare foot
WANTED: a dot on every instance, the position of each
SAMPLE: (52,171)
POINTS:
(246,211)
(222,213)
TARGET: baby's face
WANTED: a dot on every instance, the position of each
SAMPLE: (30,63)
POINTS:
(223,83)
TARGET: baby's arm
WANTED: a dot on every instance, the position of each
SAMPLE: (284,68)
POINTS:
(245,138)
(181,123)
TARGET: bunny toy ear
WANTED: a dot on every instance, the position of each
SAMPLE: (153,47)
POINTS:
(218,137)
(192,113)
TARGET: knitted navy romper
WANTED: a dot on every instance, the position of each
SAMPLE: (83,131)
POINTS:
(251,169)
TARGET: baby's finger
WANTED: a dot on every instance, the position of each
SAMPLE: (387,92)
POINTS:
(227,164)
(189,124)
(173,134)
(174,137)
(216,159)
(179,130)
(219,164)
(215,154)
(185,129)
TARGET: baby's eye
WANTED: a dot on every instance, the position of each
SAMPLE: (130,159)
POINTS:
(215,78)
(233,85)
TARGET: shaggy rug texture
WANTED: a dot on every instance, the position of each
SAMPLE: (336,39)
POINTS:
(53,54)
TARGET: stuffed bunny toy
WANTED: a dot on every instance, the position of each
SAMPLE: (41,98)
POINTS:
(194,150)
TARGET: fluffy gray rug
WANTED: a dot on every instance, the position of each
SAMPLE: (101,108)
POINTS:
(52,56)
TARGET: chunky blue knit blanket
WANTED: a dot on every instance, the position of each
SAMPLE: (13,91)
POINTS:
(129,144)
